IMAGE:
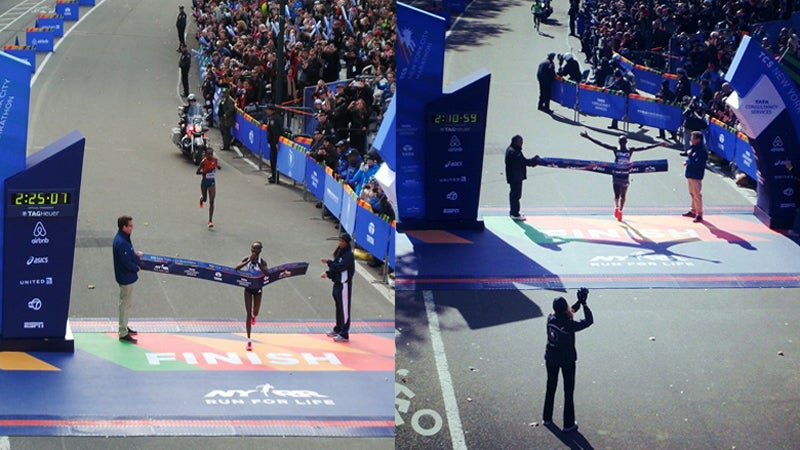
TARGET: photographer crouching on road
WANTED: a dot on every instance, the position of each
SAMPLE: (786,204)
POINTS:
(560,355)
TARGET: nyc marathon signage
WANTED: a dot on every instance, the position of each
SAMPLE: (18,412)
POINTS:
(40,222)
(767,104)
(455,134)
(420,66)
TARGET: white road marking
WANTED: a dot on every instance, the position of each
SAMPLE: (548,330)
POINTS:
(446,383)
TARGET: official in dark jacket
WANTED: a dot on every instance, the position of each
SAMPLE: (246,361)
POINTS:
(560,355)
(571,69)
(185,62)
(274,131)
(516,172)
(695,169)
(546,74)
(126,268)
(227,118)
(180,24)
(341,270)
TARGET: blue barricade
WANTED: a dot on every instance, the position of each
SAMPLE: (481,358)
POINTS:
(349,207)
(600,102)
(391,250)
(249,133)
(372,233)
(745,160)
(333,194)
(647,80)
(291,160)
(43,39)
(647,112)
(722,141)
(26,52)
(564,92)
(53,21)
(315,178)
(86,2)
(69,9)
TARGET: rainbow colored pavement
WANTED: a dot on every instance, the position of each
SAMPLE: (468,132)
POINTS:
(195,377)
(654,248)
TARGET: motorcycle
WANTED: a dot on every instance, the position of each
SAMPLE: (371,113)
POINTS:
(191,136)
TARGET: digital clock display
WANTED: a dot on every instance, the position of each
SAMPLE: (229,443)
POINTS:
(455,118)
(40,198)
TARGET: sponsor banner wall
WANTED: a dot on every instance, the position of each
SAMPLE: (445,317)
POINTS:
(291,159)
(333,194)
(349,207)
(722,140)
(372,233)
(69,9)
(52,21)
(315,178)
(42,39)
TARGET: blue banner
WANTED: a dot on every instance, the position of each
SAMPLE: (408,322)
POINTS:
(249,133)
(722,141)
(24,53)
(55,23)
(315,179)
(43,39)
(69,9)
(564,92)
(86,2)
(745,160)
(291,162)
(349,205)
(765,100)
(221,274)
(333,195)
(653,114)
(372,233)
(603,103)
(385,139)
(605,167)
(647,80)
(420,65)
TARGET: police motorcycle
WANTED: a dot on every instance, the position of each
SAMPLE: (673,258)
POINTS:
(191,135)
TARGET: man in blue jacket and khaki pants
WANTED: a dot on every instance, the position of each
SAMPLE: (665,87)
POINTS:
(126,268)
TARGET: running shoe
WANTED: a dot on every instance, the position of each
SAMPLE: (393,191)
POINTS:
(341,338)
(210,224)
(619,215)
(201,202)
(249,346)
(331,334)
(253,320)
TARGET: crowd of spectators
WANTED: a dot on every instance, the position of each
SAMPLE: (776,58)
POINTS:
(694,38)
(325,41)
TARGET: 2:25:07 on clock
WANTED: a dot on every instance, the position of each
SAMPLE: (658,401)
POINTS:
(40,198)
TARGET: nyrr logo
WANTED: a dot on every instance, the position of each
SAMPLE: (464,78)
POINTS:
(35,304)
(266,394)
(39,234)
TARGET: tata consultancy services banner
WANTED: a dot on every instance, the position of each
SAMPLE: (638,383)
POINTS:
(767,104)
(420,65)
(594,101)
(652,113)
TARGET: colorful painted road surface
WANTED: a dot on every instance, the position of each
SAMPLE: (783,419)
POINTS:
(196,378)
(645,250)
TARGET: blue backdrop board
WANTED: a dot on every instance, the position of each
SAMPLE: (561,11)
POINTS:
(349,206)
(52,21)
(455,135)
(722,140)
(291,162)
(372,233)
(564,92)
(15,91)
(69,9)
(23,52)
(594,102)
(315,179)
(333,195)
(249,133)
(41,220)
(653,114)
(765,101)
(420,65)
(41,38)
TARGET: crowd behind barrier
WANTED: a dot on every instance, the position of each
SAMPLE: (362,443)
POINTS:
(324,41)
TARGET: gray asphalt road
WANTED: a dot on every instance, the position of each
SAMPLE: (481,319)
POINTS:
(661,368)
(114,77)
